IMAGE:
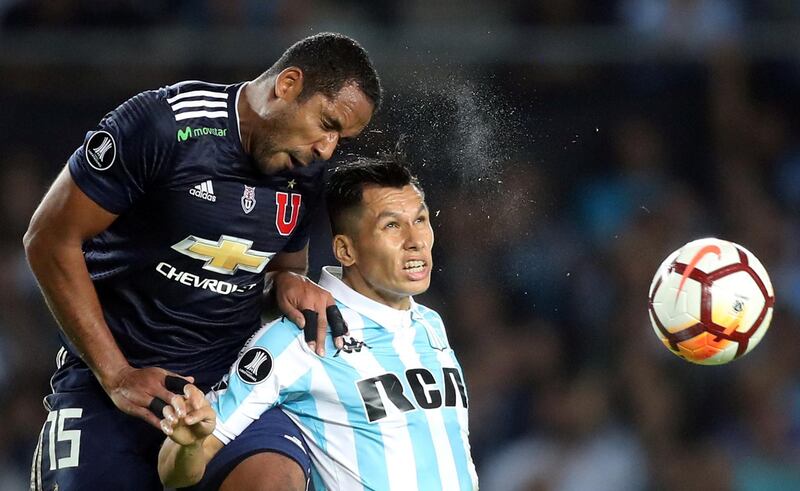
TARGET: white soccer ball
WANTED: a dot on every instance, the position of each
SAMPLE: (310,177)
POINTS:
(711,301)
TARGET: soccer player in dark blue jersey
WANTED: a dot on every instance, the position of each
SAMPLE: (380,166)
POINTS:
(154,245)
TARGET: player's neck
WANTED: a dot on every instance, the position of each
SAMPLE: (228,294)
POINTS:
(245,113)
(254,111)
(362,286)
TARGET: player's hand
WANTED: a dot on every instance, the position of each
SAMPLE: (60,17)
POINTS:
(133,390)
(296,293)
(188,419)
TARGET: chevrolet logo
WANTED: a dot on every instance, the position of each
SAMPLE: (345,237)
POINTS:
(226,256)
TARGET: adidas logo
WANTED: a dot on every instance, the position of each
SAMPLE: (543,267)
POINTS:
(204,190)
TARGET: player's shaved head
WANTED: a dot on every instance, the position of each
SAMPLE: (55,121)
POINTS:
(345,190)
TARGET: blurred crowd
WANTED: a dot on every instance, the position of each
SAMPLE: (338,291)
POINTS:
(702,19)
(554,199)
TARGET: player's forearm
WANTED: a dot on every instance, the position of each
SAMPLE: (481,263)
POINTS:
(282,263)
(69,292)
(288,262)
(180,466)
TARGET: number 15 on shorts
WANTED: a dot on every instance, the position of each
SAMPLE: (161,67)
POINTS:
(64,445)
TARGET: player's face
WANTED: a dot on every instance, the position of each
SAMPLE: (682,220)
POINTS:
(302,132)
(392,245)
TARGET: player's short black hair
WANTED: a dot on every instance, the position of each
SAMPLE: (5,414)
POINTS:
(330,61)
(345,187)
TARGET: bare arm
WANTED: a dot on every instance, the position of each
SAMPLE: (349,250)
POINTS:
(283,264)
(65,218)
(292,262)
(295,292)
(189,422)
(181,466)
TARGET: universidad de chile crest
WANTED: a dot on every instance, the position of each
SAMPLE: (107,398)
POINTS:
(248,199)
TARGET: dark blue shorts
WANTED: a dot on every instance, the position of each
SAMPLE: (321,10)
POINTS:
(86,443)
(272,432)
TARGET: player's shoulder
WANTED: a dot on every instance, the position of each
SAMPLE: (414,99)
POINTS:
(355,320)
(145,113)
(428,314)
(191,89)
(191,99)
(434,324)
(163,110)
(170,99)
(277,335)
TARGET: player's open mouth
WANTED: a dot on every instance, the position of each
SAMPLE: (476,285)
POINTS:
(295,162)
(414,266)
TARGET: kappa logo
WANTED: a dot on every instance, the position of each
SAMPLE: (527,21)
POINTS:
(255,365)
(204,190)
(351,345)
(100,150)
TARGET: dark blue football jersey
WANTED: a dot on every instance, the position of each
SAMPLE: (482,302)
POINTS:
(180,272)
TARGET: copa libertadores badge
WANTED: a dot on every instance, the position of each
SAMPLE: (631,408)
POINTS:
(255,365)
(100,150)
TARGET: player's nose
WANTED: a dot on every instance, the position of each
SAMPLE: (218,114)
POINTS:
(415,239)
(324,148)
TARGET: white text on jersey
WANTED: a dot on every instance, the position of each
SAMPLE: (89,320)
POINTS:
(204,190)
(189,279)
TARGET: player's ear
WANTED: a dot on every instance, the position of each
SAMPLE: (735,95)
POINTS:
(289,83)
(344,250)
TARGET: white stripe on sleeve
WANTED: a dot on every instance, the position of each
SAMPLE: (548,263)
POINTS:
(200,103)
(198,93)
(201,114)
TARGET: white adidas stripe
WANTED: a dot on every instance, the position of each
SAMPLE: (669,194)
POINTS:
(200,103)
(198,93)
(201,114)
(36,465)
(205,187)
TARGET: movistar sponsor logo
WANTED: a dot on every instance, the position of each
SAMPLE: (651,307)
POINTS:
(189,132)
(189,279)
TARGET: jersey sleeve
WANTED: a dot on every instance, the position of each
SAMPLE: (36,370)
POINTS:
(124,155)
(264,376)
(434,327)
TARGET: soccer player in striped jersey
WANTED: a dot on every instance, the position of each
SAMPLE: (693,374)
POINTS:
(154,246)
(388,410)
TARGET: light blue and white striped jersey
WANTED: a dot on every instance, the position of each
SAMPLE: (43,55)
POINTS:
(386,412)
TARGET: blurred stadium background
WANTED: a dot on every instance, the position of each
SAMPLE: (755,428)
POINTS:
(567,146)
